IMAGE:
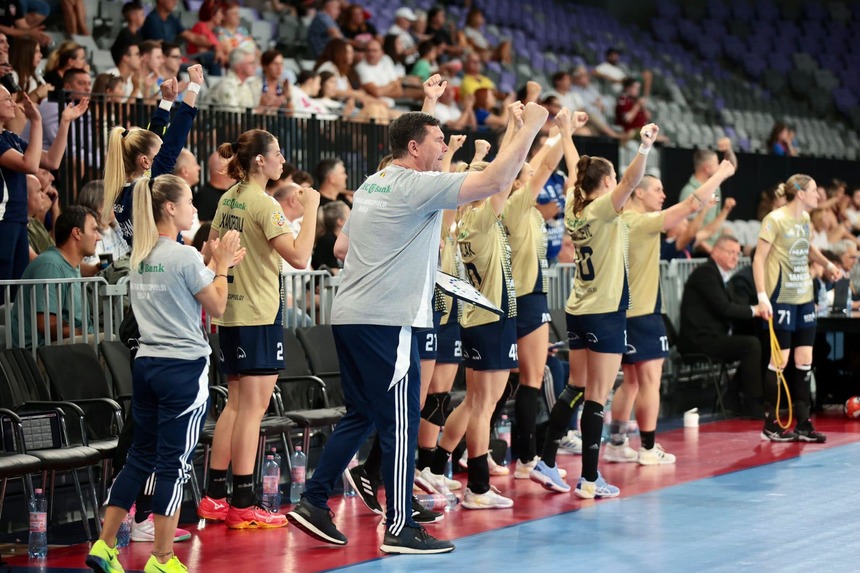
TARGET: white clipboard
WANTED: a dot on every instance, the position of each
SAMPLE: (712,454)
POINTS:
(462,290)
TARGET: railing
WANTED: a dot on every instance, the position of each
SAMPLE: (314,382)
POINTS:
(307,297)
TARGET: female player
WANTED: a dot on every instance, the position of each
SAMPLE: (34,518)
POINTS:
(596,310)
(781,272)
(251,330)
(171,368)
(647,345)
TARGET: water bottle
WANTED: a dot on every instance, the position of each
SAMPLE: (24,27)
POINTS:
(123,534)
(299,463)
(348,490)
(438,501)
(38,525)
(607,419)
(449,469)
(503,431)
(271,479)
(823,307)
(277,458)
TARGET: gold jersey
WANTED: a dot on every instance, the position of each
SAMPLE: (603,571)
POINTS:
(527,237)
(644,261)
(600,238)
(448,264)
(254,289)
(786,271)
(487,257)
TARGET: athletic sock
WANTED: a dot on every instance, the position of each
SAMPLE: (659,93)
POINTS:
(525,410)
(142,507)
(617,432)
(425,457)
(559,421)
(439,461)
(479,474)
(801,393)
(217,487)
(770,390)
(243,491)
(648,439)
(592,428)
(373,463)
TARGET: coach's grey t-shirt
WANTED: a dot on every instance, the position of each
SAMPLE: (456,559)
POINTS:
(393,231)
(163,290)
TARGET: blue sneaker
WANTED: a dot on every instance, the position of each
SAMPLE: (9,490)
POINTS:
(549,478)
(595,489)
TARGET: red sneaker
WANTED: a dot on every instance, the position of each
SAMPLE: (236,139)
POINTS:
(254,517)
(214,509)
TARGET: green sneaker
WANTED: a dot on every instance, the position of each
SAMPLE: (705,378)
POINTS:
(104,559)
(172,566)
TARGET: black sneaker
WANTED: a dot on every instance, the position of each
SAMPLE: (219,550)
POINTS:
(423,515)
(366,487)
(414,541)
(774,433)
(806,433)
(316,522)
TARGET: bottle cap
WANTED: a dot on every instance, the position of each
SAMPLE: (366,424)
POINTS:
(270,457)
(37,490)
(298,448)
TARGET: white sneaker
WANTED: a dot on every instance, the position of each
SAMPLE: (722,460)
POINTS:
(571,444)
(425,486)
(496,469)
(524,469)
(491,499)
(621,454)
(145,531)
(432,483)
(655,456)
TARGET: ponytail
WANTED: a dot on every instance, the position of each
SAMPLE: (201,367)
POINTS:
(241,153)
(795,183)
(590,171)
(780,191)
(150,195)
(124,148)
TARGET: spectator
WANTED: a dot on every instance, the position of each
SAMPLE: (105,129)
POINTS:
(172,66)
(826,230)
(23,19)
(76,88)
(768,201)
(25,60)
(355,27)
(473,80)
(378,75)
(403,19)
(76,233)
(612,71)
(333,216)
(207,197)
(562,88)
(303,97)
(74,17)
(68,56)
(324,27)
(780,141)
(426,64)
(478,42)
(442,34)
(707,313)
(448,112)
(705,163)
(128,67)
(205,47)
(328,96)
(38,205)
(331,180)
(846,259)
(285,194)
(231,34)
(134,16)
(303,178)
(338,58)
(188,169)
(240,88)
(485,105)
(275,90)
(162,24)
(112,246)
(151,62)
(631,111)
(5,67)
(852,211)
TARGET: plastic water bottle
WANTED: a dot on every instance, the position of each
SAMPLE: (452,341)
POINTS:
(38,525)
(822,300)
(438,501)
(503,431)
(299,463)
(449,469)
(271,479)
(123,534)
(278,461)
(348,490)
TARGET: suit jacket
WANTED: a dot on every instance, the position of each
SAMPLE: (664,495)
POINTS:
(707,311)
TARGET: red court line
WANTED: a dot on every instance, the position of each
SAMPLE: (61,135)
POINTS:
(713,449)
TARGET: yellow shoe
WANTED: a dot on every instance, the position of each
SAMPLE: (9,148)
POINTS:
(172,566)
(104,559)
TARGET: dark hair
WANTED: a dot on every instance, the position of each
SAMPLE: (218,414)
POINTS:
(305,76)
(301,177)
(558,76)
(482,98)
(268,57)
(324,168)
(611,51)
(118,51)
(431,13)
(777,129)
(701,156)
(241,154)
(590,171)
(129,7)
(202,235)
(167,47)
(473,13)
(627,82)
(21,60)
(425,48)
(389,48)
(208,10)
(411,126)
(335,50)
(70,74)
(103,84)
(148,46)
(72,217)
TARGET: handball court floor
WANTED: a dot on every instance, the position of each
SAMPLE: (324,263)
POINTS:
(731,503)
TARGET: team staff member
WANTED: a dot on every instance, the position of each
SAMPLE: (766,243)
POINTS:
(647,344)
(596,309)
(781,272)
(169,288)
(251,329)
(392,231)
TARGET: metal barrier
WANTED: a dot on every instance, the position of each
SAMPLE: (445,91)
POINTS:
(307,297)
(560,282)
(91,310)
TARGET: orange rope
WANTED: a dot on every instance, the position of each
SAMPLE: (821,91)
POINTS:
(776,358)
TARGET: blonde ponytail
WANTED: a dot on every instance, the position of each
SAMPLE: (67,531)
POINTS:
(124,148)
(150,195)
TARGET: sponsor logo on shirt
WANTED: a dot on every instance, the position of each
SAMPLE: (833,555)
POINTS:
(374,188)
(233,204)
(144,268)
(278,219)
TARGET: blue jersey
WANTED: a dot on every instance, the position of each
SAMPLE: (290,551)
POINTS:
(13,184)
(553,191)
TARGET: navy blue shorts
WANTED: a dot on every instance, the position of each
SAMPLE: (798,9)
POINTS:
(490,346)
(251,350)
(14,255)
(794,324)
(427,338)
(605,332)
(532,312)
(450,347)
(646,339)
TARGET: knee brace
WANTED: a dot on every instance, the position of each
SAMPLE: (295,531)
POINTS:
(435,408)
(570,395)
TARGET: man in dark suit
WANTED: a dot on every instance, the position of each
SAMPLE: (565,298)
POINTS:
(707,313)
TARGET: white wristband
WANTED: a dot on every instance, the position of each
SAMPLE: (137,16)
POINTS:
(762,297)
(830,265)
(194,88)
(644,150)
(165,105)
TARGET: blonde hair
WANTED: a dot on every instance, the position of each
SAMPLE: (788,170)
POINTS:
(123,149)
(150,195)
(795,183)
